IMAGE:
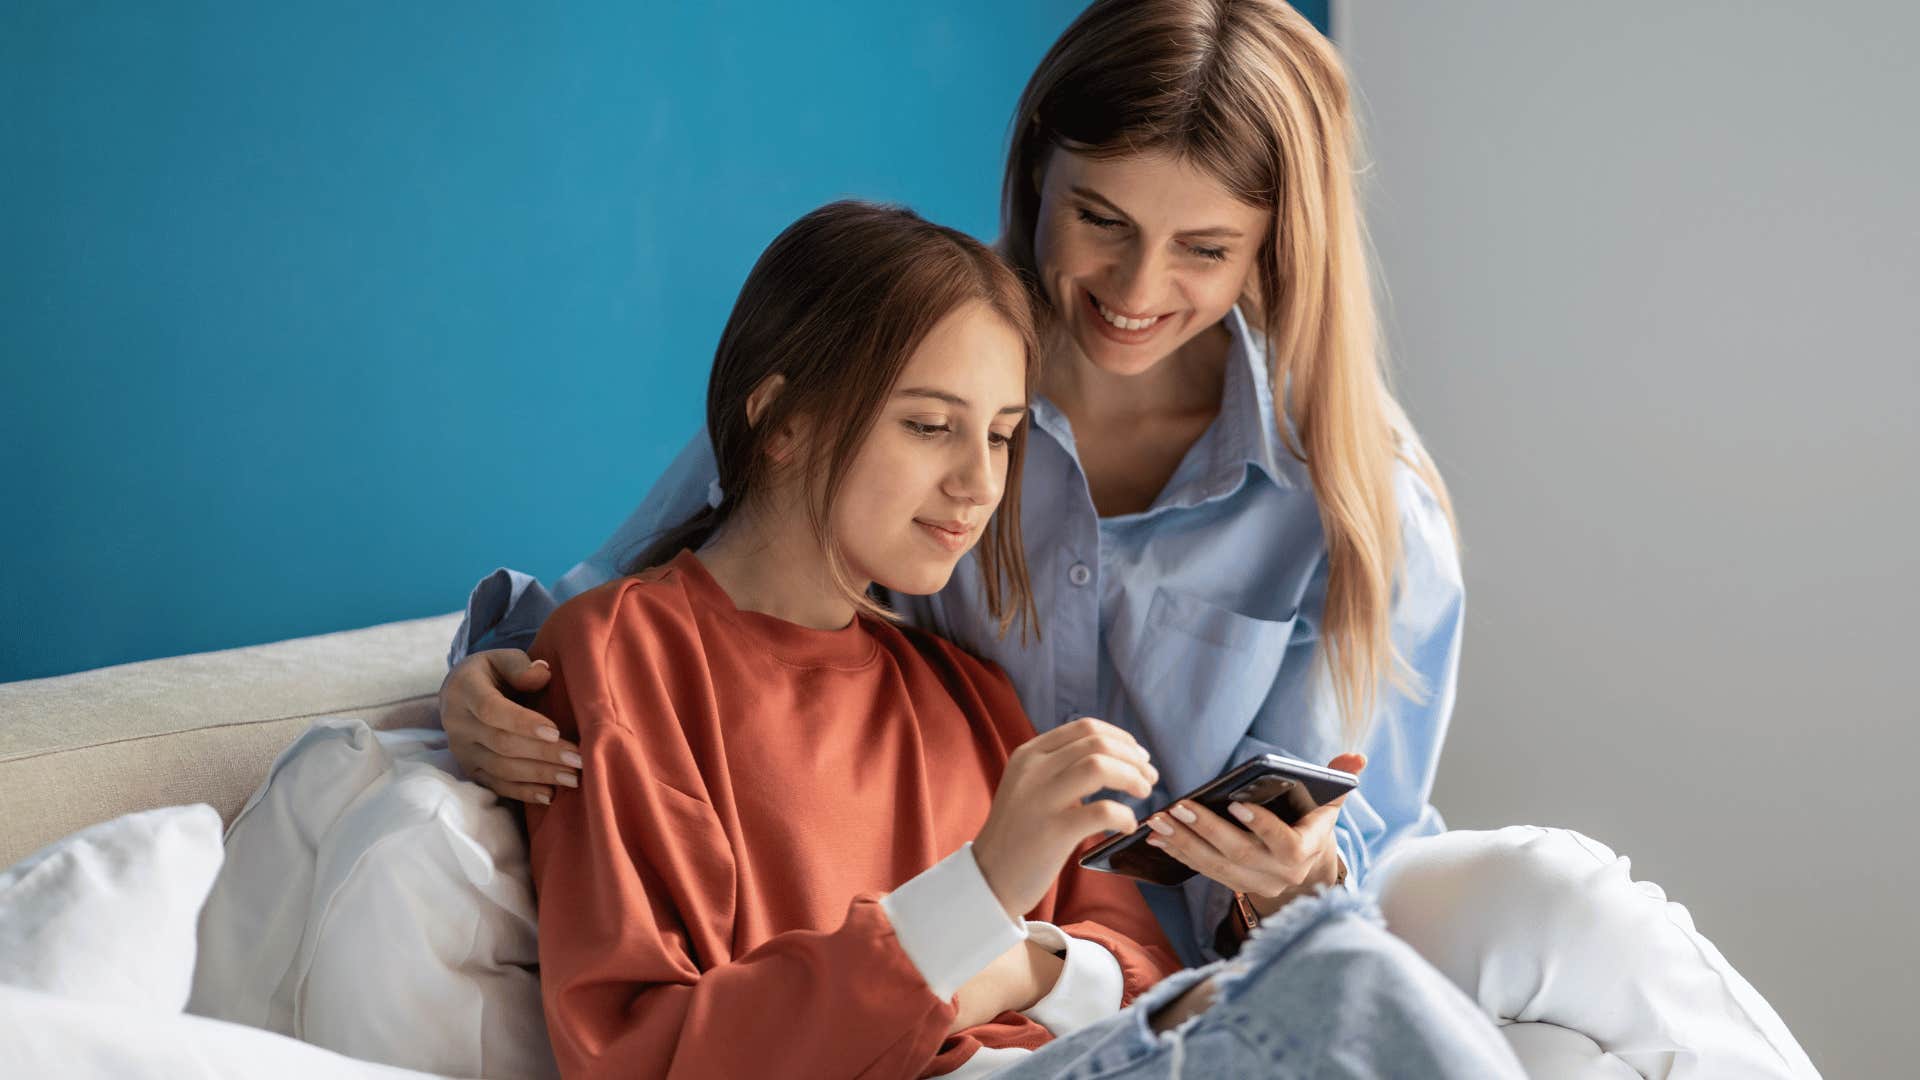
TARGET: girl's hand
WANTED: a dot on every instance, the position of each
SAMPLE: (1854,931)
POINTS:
(1038,819)
(1020,977)
(504,746)
(1267,859)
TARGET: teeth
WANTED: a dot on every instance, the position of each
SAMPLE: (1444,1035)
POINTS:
(1122,321)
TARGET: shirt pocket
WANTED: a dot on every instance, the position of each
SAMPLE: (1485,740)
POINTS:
(1200,672)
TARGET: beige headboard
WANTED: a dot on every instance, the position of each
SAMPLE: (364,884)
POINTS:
(82,748)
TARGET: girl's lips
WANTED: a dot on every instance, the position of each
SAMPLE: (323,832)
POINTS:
(947,538)
(1113,333)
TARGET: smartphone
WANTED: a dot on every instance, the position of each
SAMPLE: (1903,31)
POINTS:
(1289,788)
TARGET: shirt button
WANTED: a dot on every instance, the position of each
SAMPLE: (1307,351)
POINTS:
(1079,574)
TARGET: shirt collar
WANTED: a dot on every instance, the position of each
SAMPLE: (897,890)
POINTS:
(1245,433)
(1248,432)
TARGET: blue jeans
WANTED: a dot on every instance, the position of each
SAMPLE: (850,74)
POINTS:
(1321,990)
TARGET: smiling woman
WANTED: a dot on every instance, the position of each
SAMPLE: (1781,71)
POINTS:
(1141,255)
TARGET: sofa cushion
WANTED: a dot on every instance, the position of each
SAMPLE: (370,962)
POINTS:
(83,748)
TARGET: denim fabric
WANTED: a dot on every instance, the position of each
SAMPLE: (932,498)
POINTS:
(1321,991)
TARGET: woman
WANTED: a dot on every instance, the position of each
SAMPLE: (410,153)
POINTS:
(810,836)
(1238,544)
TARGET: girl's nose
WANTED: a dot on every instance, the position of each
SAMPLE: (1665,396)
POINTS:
(973,477)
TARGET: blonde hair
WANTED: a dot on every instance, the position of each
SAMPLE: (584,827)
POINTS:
(1251,93)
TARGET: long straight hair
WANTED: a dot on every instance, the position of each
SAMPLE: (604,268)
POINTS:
(1252,94)
(836,306)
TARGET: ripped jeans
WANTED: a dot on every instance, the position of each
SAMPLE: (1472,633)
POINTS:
(1320,990)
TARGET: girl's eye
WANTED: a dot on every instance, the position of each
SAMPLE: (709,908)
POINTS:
(1094,219)
(925,430)
(998,441)
(1210,254)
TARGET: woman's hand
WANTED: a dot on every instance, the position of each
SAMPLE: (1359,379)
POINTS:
(1269,860)
(1038,819)
(504,746)
(1016,980)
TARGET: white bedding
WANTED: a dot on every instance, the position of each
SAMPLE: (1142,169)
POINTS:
(55,1037)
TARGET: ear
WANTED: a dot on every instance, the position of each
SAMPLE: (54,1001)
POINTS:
(782,444)
(762,397)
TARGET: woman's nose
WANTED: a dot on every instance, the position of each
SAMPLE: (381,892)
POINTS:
(1137,282)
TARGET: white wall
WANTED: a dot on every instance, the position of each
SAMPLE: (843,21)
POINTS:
(1654,290)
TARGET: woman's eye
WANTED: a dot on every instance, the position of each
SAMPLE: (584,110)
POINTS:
(925,430)
(1092,218)
(1210,254)
(998,440)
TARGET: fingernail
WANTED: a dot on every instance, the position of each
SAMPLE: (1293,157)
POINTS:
(568,757)
(567,778)
(543,799)
(1184,814)
(1159,826)
(1142,751)
(1156,842)
(550,734)
(544,664)
(1240,811)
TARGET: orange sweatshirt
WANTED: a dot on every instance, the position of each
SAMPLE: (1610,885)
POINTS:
(711,898)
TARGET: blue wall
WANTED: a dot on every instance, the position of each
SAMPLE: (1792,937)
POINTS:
(316,312)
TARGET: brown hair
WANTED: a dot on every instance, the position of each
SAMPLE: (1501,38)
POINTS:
(1252,94)
(836,306)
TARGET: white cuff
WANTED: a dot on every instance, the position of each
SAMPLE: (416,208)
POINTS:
(950,923)
(1089,988)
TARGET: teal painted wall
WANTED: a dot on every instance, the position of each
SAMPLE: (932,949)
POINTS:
(312,314)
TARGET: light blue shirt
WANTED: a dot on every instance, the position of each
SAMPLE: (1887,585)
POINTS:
(1193,624)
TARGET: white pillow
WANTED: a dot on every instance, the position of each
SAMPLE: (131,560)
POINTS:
(374,904)
(107,915)
(251,927)
(47,1036)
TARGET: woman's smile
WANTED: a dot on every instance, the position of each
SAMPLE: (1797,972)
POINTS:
(1119,327)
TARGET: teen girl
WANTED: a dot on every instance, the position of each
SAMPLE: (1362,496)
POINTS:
(809,842)
(1236,540)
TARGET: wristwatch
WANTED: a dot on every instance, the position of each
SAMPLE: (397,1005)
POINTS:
(1243,917)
